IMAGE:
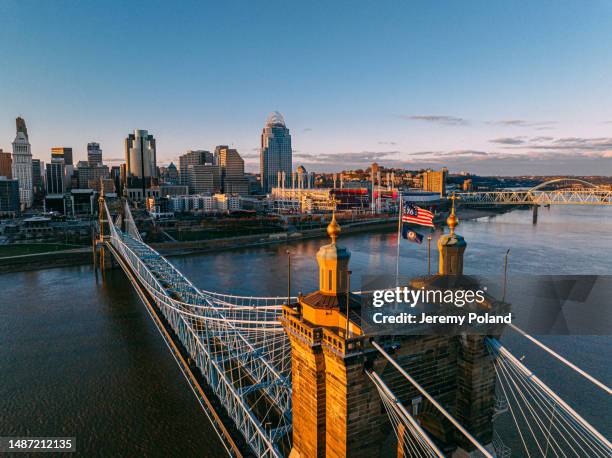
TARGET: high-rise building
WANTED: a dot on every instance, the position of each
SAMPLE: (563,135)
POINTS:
(233,180)
(6,165)
(62,153)
(435,181)
(90,174)
(55,177)
(22,163)
(197,157)
(141,155)
(94,153)
(37,180)
(204,178)
(9,197)
(275,153)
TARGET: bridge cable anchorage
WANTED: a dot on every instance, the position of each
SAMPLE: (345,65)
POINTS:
(528,390)
(435,403)
(585,374)
(400,413)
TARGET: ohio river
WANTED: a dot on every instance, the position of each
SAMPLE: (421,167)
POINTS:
(80,357)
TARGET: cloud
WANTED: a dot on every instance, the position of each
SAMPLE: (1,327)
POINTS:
(539,125)
(387,143)
(508,140)
(307,129)
(437,119)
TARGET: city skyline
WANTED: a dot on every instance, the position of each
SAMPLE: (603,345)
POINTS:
(487,88)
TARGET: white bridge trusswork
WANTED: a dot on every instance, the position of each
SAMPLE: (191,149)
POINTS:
(562,192)
(237,342)
(243,353)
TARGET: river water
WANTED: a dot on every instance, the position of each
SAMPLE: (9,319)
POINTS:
(80,357)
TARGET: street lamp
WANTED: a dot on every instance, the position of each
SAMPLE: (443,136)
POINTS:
(288,277)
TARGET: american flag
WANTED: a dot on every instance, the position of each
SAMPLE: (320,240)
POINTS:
(416,215)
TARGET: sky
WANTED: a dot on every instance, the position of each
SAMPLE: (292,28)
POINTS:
(491,87)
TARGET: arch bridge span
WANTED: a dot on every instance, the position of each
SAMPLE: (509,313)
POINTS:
(560,191)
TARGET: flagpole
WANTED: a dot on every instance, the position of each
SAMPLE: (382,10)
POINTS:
(399,236)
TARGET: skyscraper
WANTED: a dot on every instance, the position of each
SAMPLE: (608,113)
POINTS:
(37,181)
(232,171)
(94,153)
(6,165)
(9,197)
(140,154)
(204,178)
(197,157)
(55,177)
(275,154)
(22,163)
(62,152)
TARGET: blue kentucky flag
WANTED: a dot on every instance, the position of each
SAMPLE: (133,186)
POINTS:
(411,235)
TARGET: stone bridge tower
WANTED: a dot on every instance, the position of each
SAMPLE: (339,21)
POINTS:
(336,408)
(337,411)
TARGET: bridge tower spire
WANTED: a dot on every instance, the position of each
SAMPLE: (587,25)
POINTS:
(336,409)
(451,246)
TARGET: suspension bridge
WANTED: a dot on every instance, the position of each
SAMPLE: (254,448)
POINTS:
(298,378)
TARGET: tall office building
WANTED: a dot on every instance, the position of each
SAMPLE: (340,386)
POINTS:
(94,153)
(275,153)
(233,180)
(9,197)
(435,181)
(22,163)
(62,153)
(197,157)
(90,174)
(141,155)
(37,181)
(204,178)
(55,177)
(6,165)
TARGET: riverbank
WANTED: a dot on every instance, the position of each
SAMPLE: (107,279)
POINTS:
(83,256)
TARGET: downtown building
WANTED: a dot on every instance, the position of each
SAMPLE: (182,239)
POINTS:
(233,180)
(276,157)
(37,178)
(94,153)
(204,178)
(140,176)
(63,154)
(6,164)
(90,174)
(9,197)
(191,158)
(22,164)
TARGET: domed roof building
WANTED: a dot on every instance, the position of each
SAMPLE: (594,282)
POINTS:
(275,119)
(276,156)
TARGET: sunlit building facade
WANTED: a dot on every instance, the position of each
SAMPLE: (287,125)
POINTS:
(275,155)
